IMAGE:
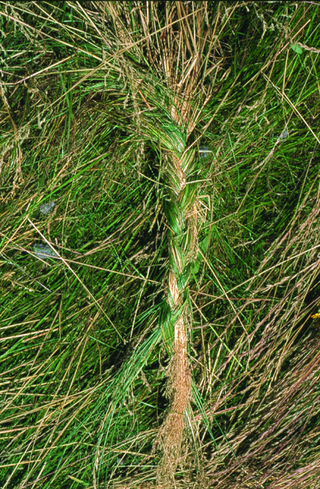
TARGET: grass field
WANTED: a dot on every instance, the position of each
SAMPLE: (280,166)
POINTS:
(159,245)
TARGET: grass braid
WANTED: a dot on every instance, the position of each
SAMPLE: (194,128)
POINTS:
(180,207)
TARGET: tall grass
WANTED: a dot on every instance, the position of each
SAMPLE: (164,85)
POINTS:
(159,202)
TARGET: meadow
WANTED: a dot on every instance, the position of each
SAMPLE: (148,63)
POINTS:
(159,255)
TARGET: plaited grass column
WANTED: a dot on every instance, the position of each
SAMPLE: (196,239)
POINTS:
(180,207)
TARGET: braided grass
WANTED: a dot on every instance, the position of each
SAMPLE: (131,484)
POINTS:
(181,214)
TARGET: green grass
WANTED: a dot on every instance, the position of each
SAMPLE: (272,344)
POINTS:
(92,112)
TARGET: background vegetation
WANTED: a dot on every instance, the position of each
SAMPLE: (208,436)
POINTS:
(159,166)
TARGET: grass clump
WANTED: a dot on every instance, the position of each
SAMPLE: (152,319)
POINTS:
(159,210)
